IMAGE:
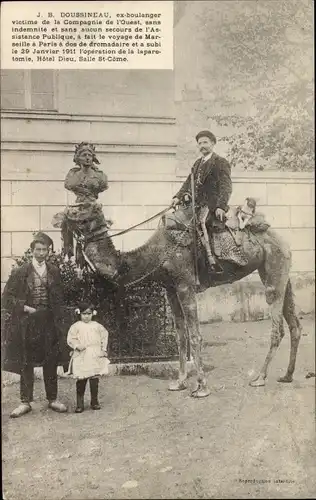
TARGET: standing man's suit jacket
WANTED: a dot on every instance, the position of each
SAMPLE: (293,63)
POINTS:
(213,185)
(15,296)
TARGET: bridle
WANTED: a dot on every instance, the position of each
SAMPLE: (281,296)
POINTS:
(80,238)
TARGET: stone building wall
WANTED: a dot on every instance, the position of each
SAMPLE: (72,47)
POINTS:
(130,118)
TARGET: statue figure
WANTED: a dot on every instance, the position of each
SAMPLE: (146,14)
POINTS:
(86,217)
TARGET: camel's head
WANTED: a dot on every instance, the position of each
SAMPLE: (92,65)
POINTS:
(104,257)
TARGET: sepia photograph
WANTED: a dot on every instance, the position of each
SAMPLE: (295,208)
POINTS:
(157,250)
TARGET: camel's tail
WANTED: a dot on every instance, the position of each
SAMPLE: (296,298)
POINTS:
(289,304)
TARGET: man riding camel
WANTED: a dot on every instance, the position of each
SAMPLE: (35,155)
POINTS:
(213,188)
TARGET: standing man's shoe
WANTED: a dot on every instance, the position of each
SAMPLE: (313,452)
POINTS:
(22,409)
(57,406)
(95,406)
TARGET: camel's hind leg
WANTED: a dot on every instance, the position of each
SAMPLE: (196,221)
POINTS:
(295,331)
(274,275)
(276,336)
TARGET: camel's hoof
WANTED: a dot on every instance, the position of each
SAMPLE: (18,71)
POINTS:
(201,393)
(257,382)
(286,379)
(178,385)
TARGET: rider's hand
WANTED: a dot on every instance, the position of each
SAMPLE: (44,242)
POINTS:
(175,202)
(29,310)
(220,214)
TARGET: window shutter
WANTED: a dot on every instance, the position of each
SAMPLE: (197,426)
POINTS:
(13,89)
(42,89)
(28,90)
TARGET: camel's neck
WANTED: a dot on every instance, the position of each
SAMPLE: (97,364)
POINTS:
(144,260)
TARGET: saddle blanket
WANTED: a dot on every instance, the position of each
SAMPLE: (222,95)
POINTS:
(223,243)
(225,248)
(227,242)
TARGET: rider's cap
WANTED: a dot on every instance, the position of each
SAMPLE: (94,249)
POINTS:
(43,238)
(206,133)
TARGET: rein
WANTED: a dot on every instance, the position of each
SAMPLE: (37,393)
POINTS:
(166,257)
(153,217)
(80,239)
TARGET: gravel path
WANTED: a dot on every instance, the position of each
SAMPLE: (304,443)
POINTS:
(146,442)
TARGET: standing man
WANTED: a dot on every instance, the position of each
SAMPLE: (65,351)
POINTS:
(213,188)
(33,297)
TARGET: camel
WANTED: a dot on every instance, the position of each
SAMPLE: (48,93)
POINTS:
(168,257)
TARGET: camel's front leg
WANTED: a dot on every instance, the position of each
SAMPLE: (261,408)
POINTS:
(187,299)
(180,383)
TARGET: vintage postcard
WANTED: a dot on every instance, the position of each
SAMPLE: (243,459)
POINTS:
(157,249)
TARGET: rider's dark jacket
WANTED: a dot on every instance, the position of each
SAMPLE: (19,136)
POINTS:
(212,181)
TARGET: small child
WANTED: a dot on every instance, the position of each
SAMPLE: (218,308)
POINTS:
(89,341)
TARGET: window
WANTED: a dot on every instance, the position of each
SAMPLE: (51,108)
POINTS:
(33,90)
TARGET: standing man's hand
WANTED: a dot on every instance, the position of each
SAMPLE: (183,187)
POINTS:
(220,214)
(29,310)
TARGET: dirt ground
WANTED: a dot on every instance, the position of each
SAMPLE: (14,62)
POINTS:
(146,442)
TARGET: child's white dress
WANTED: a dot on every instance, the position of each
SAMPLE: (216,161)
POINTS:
(91,361)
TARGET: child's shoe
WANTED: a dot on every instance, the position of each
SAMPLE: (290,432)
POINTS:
(81,386)
(80,404)
(94,386)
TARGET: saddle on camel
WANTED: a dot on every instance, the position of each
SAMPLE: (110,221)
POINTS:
(233,242)
(240,242)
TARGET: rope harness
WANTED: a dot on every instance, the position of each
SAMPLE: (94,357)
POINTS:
(81,240)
